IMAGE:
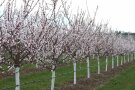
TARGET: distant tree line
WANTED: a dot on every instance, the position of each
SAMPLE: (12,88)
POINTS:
(126,34)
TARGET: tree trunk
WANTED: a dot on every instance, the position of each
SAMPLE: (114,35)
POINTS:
(17,78)
(121,60)
(88,67)
(117,60)
(74,64)
(106,63)
(36,63)
(128,57)
(132,56)
(53,78)
(93,56)
(124,59)
(112,61)
(98,64)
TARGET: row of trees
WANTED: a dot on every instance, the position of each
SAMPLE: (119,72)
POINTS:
(47,36)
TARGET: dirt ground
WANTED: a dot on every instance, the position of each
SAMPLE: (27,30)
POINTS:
(96,80)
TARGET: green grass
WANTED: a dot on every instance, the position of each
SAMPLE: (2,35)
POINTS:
(123,81)
(41,80)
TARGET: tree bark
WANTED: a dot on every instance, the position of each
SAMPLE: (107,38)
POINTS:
(74,64)
(128,57)
(106,63)
(98,64)
(53,78)
(117,60)
(17,78)
(112,61)
(124,58)
(121,60)
(88,67)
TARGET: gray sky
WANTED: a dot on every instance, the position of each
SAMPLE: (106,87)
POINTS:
(119,13)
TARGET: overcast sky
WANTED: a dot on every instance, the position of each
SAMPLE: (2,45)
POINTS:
(119,13)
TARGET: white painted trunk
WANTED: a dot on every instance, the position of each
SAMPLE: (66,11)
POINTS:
(106,68)
(98,64)
(117,60)
(36,65)
(53,78)
(132,56)
(93,56)
(112,61)
(121,60)
(74,64)
(124,59)
(88,67)
(17,78)
(128,58)
(37,62)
